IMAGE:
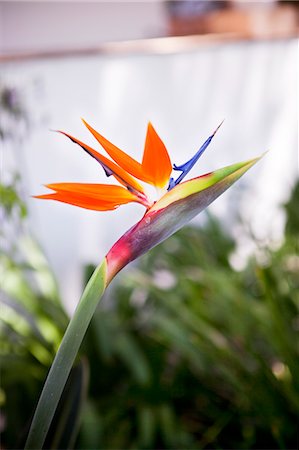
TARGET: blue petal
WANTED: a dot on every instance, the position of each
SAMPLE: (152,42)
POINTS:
(186,167)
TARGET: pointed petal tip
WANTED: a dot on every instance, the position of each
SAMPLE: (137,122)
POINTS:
(213,134)
(50,186)
(41,196)
(84,121)
(264,154)
(62,132)
(252,161)
(52,130)
(89,127)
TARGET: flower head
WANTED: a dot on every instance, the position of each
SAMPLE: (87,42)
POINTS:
(155,169)
(179,201)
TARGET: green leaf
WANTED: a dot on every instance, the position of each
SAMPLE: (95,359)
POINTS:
(66,421)
(65,358)
(146,426)
(132,355)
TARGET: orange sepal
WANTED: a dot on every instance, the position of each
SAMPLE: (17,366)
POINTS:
(98,197)
(156,162)
(128,163)
(109,166)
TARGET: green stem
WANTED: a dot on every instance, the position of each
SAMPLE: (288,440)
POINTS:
(65,358)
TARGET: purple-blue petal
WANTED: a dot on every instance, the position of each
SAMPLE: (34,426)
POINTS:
(187,166)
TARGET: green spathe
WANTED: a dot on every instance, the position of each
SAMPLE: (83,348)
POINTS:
(198,184)
(172,212)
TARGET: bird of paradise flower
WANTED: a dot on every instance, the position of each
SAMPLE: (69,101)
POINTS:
(177,203)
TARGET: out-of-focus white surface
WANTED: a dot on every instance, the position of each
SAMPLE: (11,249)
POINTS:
(55,25)
(253,85)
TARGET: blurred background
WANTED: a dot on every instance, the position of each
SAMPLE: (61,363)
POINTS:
(195,346)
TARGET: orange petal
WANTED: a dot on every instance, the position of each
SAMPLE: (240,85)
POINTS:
(98,197)
(156,162)
(125,161)
(109,166)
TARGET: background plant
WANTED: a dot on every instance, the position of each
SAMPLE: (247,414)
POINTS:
(32,319)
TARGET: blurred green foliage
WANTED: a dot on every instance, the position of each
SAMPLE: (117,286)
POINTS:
(32,319)
(185,351)
(10,199)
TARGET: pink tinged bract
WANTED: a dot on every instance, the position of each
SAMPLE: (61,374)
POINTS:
(170,213)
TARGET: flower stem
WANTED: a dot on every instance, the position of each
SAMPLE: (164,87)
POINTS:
(65,358)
